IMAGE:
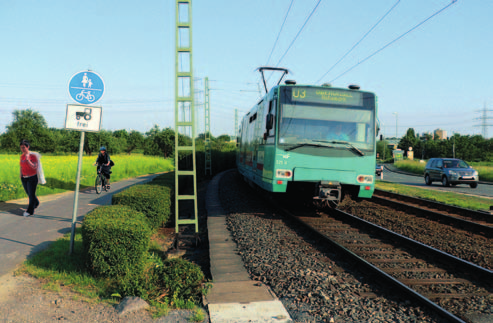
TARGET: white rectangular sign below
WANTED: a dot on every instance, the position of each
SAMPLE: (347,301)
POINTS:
(83,117)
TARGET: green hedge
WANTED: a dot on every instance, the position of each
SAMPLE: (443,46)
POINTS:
(181,280)
(152,200)
(115,240)
(220,161)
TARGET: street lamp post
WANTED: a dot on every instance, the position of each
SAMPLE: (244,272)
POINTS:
(396,117)
(453,150)
(423,150)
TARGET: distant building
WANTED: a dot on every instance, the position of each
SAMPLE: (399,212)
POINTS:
(423,136)
(440,134)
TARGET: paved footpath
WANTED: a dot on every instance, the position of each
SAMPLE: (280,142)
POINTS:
(21,237)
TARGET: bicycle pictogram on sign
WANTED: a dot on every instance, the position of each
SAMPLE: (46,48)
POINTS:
(85,95)
(86,87)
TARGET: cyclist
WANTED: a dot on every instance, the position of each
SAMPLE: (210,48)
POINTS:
(104,161)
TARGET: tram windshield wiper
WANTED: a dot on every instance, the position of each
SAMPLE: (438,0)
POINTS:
(308,144)
(348,145)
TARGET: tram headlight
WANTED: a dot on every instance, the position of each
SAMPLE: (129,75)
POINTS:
(284,173)
(364,179)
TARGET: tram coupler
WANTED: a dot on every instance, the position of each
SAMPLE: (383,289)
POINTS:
(328,190)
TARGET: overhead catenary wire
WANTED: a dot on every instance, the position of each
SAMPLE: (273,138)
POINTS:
(299,32)
(282,26)
(393,41)
(359,41)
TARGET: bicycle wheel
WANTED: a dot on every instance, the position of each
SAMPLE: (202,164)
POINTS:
(99,184)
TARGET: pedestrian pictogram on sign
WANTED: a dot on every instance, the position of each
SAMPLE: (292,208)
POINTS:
(86,87)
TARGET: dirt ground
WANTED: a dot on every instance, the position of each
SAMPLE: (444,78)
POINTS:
(24,299)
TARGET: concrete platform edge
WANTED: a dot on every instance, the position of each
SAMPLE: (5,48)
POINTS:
(256,309)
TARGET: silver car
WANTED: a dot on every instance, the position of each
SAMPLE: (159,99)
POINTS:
(450,171)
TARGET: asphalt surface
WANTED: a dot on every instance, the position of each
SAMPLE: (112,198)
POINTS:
(392,174)
(21,237)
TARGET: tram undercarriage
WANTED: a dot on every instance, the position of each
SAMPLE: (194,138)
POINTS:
(321,194)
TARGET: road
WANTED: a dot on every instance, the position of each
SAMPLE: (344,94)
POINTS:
(483,190)
(21,236)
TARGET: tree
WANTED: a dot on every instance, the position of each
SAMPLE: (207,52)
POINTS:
(120,134)
(30,125)
(383,150)
(166,142)
(161,142)
(409,140)
(135,140)
(224,138)
(202,136)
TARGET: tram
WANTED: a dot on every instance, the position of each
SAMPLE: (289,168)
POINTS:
(318,141)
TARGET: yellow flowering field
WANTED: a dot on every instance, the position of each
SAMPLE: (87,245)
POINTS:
(61,171)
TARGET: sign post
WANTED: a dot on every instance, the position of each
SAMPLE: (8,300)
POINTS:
(86,88)
(76,194)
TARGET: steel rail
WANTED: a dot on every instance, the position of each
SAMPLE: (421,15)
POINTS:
(478,228)
(477,215)
(412,294)
(441,255)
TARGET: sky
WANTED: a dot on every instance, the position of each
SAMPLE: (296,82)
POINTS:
(438,75)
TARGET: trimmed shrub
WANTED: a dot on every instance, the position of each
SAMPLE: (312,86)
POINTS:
(115,240)
(167,179)
(143,284)
(152,200)
(181,280)
(221,161)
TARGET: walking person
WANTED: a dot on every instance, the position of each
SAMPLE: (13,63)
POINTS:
(30,165)
(105,162)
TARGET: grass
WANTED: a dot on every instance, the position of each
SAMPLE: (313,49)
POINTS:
(61,172)
(55,267)
(461,200)
(197,315)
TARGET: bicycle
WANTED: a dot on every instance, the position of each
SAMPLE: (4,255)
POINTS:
(100,181)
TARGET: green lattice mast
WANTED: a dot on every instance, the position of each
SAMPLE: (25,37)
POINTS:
(236,124)
(185,170)
(207,131)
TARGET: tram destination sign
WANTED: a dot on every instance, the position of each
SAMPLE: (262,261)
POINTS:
(324,95)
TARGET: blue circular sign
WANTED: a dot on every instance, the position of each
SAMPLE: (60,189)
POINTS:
(86,87)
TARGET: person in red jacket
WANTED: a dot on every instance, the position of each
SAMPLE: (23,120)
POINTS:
(29,176)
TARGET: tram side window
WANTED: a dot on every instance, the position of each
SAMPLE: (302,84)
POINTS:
(251,129)
(272,111)
(244,134)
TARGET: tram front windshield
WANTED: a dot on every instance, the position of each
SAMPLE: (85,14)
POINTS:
(334,118)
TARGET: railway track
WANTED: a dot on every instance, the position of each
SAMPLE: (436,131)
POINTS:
(320,280)
(479,222)
(439,281)
(432,228)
